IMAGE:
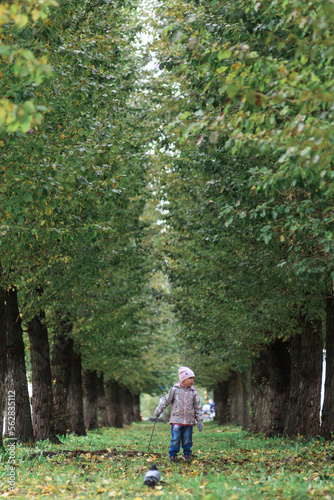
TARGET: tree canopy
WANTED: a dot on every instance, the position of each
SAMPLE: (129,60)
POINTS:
(166,179)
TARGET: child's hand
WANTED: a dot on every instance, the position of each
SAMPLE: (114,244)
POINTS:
(200,426)
(157,413)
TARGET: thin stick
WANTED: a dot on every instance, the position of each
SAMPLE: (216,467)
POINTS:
(148,449)
(155,421)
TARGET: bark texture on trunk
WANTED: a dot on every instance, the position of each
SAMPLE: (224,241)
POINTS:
(270,389)
(90,400)
(16,375)
(246,395)
(61,376)
(127,406)
(136,407)
(306,368)
(114,403)
(75,396)
(238,399)
(220,395)
(42,400)
(102,402)
(327,417)
(235,398)
(3,362)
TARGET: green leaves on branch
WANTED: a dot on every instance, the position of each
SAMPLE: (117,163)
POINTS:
(20,116)
(265,82)
(20,67)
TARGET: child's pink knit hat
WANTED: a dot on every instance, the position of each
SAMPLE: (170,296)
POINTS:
(185,372)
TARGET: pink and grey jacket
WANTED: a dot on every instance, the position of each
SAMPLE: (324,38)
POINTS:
(186,405)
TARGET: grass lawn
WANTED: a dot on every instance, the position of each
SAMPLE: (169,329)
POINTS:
(228,463)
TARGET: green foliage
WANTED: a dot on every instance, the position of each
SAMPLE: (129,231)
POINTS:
(256,80)
(263,76)
(245,167)
(239,218)
(22,66)
(74,188)
(227,290)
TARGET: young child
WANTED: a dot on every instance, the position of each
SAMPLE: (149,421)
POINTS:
(186,410)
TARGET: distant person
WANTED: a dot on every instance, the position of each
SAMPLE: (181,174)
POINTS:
(206,411)
(212,408)
(185,412)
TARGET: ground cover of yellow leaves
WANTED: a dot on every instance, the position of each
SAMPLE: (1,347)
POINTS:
(228,463)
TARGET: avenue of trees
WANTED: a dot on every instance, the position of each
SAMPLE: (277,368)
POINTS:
(246,167)
(79,291)
(180,214)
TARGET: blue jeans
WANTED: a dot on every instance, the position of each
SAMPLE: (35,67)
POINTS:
(184,434)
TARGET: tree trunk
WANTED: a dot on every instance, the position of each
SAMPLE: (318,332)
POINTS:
(246,395)
(220,395)
(327,417)
(235,398)
(75,395)
(61,376)
(114,403)
(42,401)
(102,403)
(270,389)
(306,368)
(90,391)
(5,398)
(127,406)
(16,375)
(136,407)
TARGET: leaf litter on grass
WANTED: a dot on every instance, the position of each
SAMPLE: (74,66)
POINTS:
(228,463)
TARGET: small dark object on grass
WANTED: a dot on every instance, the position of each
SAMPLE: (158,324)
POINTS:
(152,477)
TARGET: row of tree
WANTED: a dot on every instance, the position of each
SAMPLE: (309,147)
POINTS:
(245,165)
(79,291)
(235,206)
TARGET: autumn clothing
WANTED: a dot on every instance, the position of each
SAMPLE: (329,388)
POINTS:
(186,410)
(186,405)
(184,373)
